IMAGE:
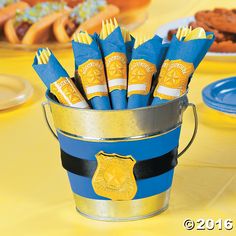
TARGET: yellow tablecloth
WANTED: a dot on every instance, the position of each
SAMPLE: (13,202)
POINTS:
(35,196)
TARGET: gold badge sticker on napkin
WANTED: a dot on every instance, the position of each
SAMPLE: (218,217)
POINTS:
(114,178)
(93,78)
(173,79)
(67,93)
(116,67)
(140,77)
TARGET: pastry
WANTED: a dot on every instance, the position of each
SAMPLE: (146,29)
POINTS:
(70,3)
(8,9)
(131,11)
(34,24)
(86,16)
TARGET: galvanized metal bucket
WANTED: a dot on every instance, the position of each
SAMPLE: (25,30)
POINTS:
(140,149)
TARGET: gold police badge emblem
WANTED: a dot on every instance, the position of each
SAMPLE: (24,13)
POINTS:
(140,77)
(93,78)
(116,67)
(114,178)
(173,79)
(70,93)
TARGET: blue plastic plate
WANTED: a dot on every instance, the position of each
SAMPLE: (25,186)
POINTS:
(221,95)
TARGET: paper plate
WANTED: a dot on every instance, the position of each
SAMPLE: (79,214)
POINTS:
(13,91)
(221,95)
(213,56)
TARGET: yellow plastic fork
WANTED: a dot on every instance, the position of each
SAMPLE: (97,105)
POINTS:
(183,32)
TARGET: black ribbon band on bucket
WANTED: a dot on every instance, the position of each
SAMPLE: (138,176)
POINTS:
(142,169)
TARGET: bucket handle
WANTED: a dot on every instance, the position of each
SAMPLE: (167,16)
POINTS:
(44,104)
(194,131)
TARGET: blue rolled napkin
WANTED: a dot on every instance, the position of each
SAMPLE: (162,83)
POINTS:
(114,51)
(89,64)
(51,71)
(57,80)
(142,67)
(182,59)
(161,58)
(129,45)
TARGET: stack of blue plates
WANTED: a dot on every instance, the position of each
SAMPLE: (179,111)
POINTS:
(221,95)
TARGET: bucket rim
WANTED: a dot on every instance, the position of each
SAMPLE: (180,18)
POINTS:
(117,124)
(116,111)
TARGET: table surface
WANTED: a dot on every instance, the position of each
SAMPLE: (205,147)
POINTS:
(35,197)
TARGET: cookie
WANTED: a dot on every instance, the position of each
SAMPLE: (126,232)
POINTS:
(224,46)
(220,19)
(171,33)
